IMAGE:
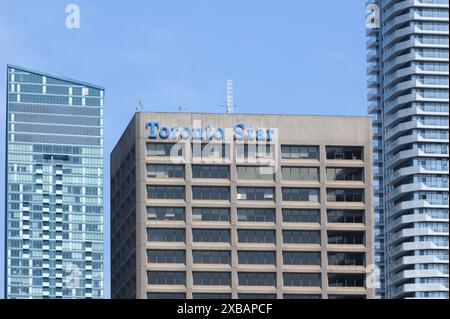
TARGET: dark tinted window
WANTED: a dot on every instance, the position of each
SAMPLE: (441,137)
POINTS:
(344,152)
(210,193)
(211,171)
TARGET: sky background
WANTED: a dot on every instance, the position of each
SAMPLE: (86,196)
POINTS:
(288,56)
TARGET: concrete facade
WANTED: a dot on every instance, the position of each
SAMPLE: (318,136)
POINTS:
(130,220)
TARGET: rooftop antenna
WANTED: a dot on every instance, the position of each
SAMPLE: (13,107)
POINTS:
(141,106)
(230,104)
(180,108)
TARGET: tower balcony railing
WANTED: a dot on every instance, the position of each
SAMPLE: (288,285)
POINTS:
(411,170)
(411,204)
(411,260)
(397,20)
(410,246)
(401,101)
(388,53)
(408,288)
(408,274)
(399,60)
(391,37)
(399,74)
(398,7)
(401,114)
(399,87)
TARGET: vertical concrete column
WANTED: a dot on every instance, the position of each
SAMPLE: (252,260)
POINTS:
(279,222)
(369,211)
(323,220)
(188,210)
(234,238)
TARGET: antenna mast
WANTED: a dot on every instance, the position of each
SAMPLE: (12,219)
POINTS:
(230,104)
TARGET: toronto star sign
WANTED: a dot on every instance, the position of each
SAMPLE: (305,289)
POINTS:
(238,132)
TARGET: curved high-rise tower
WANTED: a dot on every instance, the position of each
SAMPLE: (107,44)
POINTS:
(408,51)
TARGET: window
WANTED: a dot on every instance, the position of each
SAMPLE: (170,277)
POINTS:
(257,257)
(258,236)
(345,195)
(346,296)
(344,152)
(166,278)
(211,257)
(299,152)
(255,172)
(253,151)
(255,193)
(345,174)
(257,279)
(166,295)
(300,173)
(210,214)
(302,279)
(301,215)
(301,236)
(301,194)
(346,216)
(165,213)
(165,192)
(257,296)
(210,193)
(345,238)
(164,149)
(346,280)
(210,296)
(301,296)
(201,278)
(301,258)
(166,256)
(166,235)
(211,235)
(211,171)
(211,150)
(345,259)
(165,171)
(256,215)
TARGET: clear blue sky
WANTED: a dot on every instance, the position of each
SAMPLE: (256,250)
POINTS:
(289,56)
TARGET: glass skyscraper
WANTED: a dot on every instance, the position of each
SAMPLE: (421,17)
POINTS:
(408,97)
(54,187)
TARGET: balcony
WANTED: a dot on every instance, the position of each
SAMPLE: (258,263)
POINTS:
(407,171)
(404,247)
(406,205)
(372,95)
(407,288)
(408,274)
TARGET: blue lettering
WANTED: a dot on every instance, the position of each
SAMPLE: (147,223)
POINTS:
(164,132)
(220,135)
(209,133)
(153,126)
(239,132)
(185,133)
(174,133)
(197,133)
(269,134)
(260,134)
(250,134)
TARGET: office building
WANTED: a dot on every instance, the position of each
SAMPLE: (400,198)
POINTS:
(408,99)
(54,187)
(239,206)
